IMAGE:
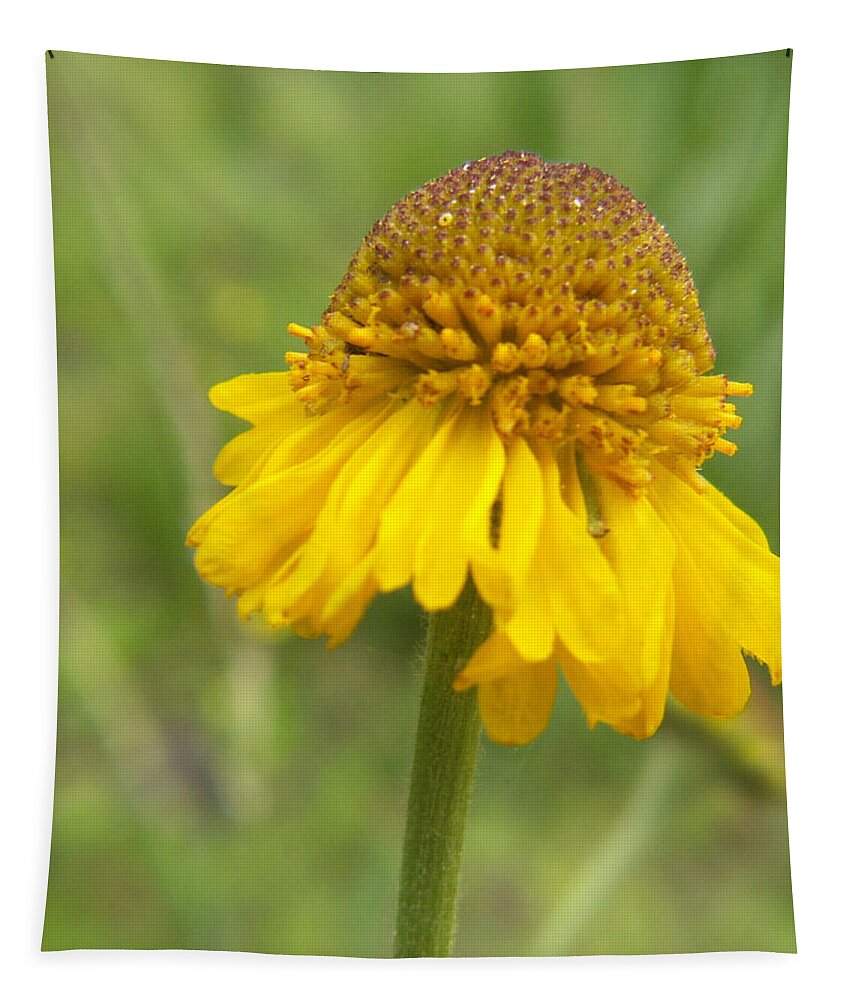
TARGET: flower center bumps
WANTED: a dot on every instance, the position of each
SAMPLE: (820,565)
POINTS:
(544,292)
(510,385)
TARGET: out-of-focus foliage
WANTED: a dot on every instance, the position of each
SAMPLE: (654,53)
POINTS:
(221,788)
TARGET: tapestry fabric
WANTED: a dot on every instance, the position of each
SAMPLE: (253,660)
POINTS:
(419,470)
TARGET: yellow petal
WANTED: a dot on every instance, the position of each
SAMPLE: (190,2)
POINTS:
(401,519)
(640,550)
(255,397)
(300,441)
(531,627)
(648,718)
(726,580)
(583,591)
(347,602)
(500,572)
(516,708)
(735,515)
(627,688)
(251,532)
(376,472)
(348,520)
(236,460)
(495,658)
(457,518)
(708,673)
(266,400)
(315,434)
(570,589)
(440,514)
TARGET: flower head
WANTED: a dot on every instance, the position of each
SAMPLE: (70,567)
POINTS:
(510,381)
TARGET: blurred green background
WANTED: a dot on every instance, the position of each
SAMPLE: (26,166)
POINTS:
(218,787)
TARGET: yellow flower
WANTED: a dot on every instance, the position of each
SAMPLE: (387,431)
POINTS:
(509,382)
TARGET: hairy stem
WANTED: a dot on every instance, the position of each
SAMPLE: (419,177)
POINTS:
(441,782)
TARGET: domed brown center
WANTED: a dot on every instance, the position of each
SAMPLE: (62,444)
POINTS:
(545,292)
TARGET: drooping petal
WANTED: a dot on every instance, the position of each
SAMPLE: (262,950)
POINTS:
(727,576)
(531,627)
(708,674)
(239,456)
(495,658)
(302,441)
(257,397)
(582,587)
(569,590)
(648,718)
(401,519)
(458,518)
(347,602)
(501,571)
(440,514)
(265,400)
(516,708)
(626,688)
(599,701)
(251,532)
(332,560)
(734,514)
(372,477)
(640,550)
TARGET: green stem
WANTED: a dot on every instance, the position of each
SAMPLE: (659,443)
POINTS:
(441,782)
